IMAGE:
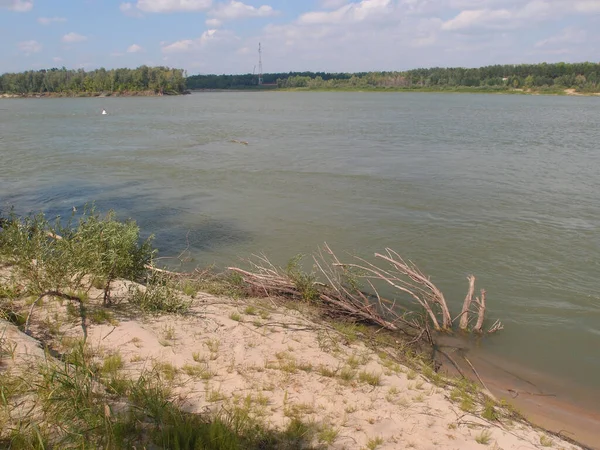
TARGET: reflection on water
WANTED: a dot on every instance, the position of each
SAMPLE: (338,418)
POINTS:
(505,187)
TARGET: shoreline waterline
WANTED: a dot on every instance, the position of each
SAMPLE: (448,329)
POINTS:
(570,412)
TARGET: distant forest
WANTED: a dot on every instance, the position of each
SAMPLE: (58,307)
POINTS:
(583,77)
(159,80)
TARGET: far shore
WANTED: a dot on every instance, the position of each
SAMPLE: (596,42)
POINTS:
(458,90)
(92,94)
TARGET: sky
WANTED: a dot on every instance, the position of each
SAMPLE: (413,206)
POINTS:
(222,36)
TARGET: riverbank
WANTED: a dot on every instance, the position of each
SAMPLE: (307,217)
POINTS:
(93,94)
(279,363)
(450,90)
(274,348)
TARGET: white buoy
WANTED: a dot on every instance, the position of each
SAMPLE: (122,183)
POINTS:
(104,112)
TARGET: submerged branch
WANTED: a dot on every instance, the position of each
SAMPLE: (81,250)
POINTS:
(341,293)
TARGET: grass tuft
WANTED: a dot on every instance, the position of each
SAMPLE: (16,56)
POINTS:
(159,296)
(484,438)
(373,443)
(371,378)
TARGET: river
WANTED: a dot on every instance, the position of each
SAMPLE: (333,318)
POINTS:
(504,187)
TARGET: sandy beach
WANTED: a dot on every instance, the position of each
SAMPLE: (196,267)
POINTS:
(283,363)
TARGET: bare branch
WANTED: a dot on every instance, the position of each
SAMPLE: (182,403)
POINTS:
(464,319)
(481,315)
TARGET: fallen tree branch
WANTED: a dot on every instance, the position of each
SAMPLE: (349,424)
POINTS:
(464,315)
(480,301)
(342,295)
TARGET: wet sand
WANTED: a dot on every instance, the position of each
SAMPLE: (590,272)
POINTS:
(547,402)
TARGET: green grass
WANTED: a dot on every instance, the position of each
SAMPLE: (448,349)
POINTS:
(373,443)
(99,316)
(214,395)
(298,432)
(328,435)
(213,345)
(235,316)
(484,438)
(303,282)
(490,413)
(167,370)
(347,374)
(198,371)
(326,371)
(372,378)
(545,441)
(465,394)
(112,364)
(353,361)
(159,296)
(92,247)
(350,331)
(189,288)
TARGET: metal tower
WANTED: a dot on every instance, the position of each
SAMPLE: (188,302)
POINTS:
(260,69)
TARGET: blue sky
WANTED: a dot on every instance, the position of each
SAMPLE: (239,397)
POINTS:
(222,36)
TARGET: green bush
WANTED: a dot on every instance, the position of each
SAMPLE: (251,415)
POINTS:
(55,257)
(159,295)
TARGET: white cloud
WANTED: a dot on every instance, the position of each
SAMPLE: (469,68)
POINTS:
(586,6)
(238,10)
(218,40)
(130,10)
(387,34)
(57,59)
(484,15)
(502,19)
(350,13)
(566,36)
(49,20)
(178,46)
(165,6)
(332,4)
(480,18)
(29,47)
(17,5)
(213,23)
(72,37)
(134,48)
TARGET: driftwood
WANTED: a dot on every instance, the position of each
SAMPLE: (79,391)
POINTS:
(464,315)
(340,297)
(480,301)
(340,292)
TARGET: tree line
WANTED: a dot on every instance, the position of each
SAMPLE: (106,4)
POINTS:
(584,77)
(251,80)
(160,80)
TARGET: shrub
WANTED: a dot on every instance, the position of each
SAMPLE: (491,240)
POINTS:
(159,295)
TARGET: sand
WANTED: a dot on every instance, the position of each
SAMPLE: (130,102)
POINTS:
(289,365)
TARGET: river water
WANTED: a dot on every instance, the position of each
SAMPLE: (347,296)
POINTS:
(504,187)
